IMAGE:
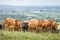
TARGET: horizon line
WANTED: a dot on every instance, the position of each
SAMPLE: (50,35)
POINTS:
(29,5)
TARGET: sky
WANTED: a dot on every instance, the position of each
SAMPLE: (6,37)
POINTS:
(30,2)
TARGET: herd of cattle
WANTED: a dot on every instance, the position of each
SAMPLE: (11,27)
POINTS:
(33,25)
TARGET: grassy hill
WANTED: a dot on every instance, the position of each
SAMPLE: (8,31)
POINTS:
(6,35)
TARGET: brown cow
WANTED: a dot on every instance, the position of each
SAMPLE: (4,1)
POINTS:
(9,24)
(49,25)
(18,25)
(39,27)
(45,24)
(33,25)
(54,25)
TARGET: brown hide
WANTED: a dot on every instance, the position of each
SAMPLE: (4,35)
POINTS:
(18,25)
(39,27)
(9,24)
(33,24)
(45,25)
(54,25)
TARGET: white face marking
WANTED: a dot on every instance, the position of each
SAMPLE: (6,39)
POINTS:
(45,20)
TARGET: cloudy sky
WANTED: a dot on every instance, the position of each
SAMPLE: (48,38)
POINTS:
(30,2)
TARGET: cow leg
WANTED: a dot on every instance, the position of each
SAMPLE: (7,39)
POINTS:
(46,29)
(18,28)
(23,29)
(50,28)
(6,27)
(27,29)
(11,28)
(15,28)
(40,29)
(31,29)
(43,28)
(55,30)
(37,29)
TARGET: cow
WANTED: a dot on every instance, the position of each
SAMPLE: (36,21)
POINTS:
(49,25)
(9,24)
(54,26)
(39,26)
(46,25)
(25,27)
(1,26)
(33,25)
(18,25)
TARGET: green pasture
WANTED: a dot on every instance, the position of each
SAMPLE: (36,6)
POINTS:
(14,35)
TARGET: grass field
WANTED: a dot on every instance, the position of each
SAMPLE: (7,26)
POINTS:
(13,35)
